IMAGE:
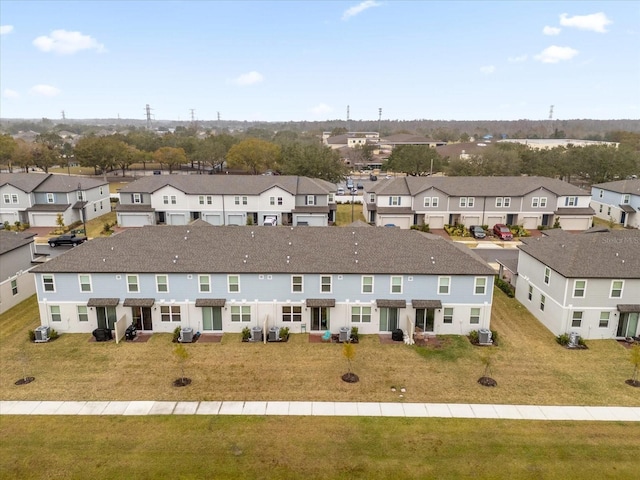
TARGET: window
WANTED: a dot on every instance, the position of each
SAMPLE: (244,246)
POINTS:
(48,284)
(80,196)
(503,202)
(132,283)
(427,202)
(430,201)
(616,288)
(547,275)
(292,313)
(626,198)
(170,313)
(474,317)
(360,314)
(14,286)
(535,202)
(331,198)
(543,202)
(530,294)
(480,287)
(325,283)
(576,319)
(543,299)
(55,313)
(165,199)
(367,284)
(443,285)
(600,208)
(244,200)
(394,201)
(137,198)
(83,316)
(434,201)
(280,200)
(233,283)
(51,198)
(162,283)
(372,198)
(571,201)
(467,202)
(85,283)
(609,211)
(448,315)
(209,200)
(240,313)
(604,319)
(14,198)
(296,283)
(173,200)
(6,198)
(201,199)
(101,190)
(396,284)
(272,200)
(311,200)
(204,283)
(601,193)
(579,286)
(463,202)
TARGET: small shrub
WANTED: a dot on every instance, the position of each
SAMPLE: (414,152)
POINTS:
(556,223)
(355,336)
(474,337)
(494,337)
(7,226)
(563,339)
(246,333)
(249,220)
(284,331)
(485,227)
(53,334)
(32,335)
(422,227)
(176,334)
(505,287)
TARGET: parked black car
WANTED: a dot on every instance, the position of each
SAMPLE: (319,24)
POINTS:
(69,239)
(477,231)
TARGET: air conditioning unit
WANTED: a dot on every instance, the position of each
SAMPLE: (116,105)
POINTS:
(42,334)
(186,335)
(256,334)
(344,334)
(484,336)
(274,334)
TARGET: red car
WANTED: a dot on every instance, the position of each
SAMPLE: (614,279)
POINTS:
(502,232)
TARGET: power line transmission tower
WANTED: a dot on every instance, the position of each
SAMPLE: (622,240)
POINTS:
(348,127)
(379,120)
(63,117)
(148,112)
(551,113)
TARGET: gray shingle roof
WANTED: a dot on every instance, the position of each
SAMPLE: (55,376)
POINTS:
(27,182)
(211,249)
(12,240)
(66,183)
(614,254)
(231,184)
(631,186)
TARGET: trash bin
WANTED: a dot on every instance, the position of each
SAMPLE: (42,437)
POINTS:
(256,334)
(344,334)
(397,335)
(274,334)
(131,332)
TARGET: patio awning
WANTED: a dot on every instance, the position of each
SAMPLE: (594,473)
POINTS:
(426,303)
(210,302)
(627,208)
(138,302)
(391,303)
(629,308)
(103,302)
(321,302)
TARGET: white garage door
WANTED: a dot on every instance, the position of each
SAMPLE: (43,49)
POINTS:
(578,224)
(468,221)
(402,222)
(530,223)
(435,222)
(43,219)
(312,220)
(134,220)
(491,221)
(213,219)
(176,219)
(236,220)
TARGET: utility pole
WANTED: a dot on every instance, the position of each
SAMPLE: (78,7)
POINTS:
(348,127)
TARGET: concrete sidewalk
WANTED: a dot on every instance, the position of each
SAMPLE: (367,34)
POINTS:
(347,409)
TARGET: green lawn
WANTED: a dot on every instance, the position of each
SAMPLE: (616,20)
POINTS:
(348,213)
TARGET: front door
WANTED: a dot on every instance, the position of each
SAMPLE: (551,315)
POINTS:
(628,325)
(319,318)
(212,319)
(106,317)
(388,319)
(142,318)
(425,319)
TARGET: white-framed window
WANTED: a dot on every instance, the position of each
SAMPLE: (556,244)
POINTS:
(311,199)
(444,285)
(367,284)
(579,288)
(600,209)
(467,202)
(240,313)
(48,283)
(547,275)
(174,200)
(80,196)
(571,201)
(51,198)
(204,283)
(209,200)
(325,283)
(434,201)
(463,202)
(137,198)
(83,314)
(6,198)
(576,319)
(233,283)
(530,293)
(14,198)
(535,202)
(474,316)
(430,202)
(543,300)
(101,190)
(609,211)
(626,198)
(600,193)
(395,201)
(604,319)
(85,283)
(272,200)
(170,313)
(243,200)
(132,284)
(616,288)
(165,199)
(503,202)
(480,286)
(360,314)
(280,200)
(201,199)
(162,283)
(543,202)
(372,198)
(396,285)
(296,284)
(14,286)
(54,310)
(292,313)
(447,316)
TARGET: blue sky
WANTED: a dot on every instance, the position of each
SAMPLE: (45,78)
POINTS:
(295,60)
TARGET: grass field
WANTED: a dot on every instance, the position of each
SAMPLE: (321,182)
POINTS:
(345,213)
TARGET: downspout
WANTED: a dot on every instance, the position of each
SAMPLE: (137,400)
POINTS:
(224,214)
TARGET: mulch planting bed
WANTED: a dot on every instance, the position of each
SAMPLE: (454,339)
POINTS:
(207,338)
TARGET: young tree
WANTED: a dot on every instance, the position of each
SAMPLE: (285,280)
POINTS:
(349,352)
(634,358)
(182,355)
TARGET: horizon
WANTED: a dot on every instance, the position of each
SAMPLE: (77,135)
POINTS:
(278,62)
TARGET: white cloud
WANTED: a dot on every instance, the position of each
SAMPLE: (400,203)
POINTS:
(8,93)
(361,7)
(250,78)
(44,90)
(555,54)
(519,58)
(67,43)
(488,69)
(321,108)
(547,30)
(6,29)
(596,22)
